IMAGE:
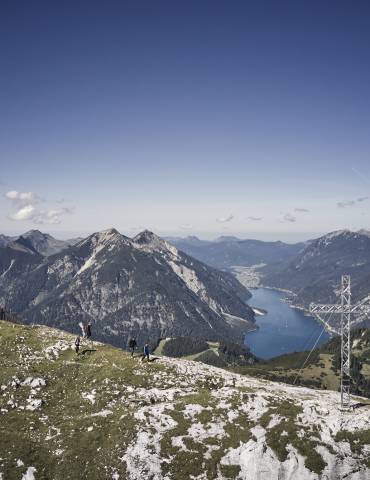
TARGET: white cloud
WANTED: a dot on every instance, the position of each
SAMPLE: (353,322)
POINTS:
(24,203)
(24,213)
(255,219)
(225,219)
(40,217)
(22,199)
(301,210)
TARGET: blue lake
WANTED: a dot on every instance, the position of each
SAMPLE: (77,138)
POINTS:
(282,329)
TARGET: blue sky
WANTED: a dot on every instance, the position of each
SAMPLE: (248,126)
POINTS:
(207,118)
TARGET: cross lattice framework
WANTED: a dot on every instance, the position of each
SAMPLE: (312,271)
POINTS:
(346,310)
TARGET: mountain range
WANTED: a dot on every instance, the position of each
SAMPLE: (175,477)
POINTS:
(226,252)
(40,279)
(311,270)
(314,275)
(142,286)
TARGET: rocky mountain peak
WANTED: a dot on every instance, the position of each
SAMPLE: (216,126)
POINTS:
(37,235)
(146,237)
(338,236)
(102,238)
(44,243)
(150,241)
(109,232)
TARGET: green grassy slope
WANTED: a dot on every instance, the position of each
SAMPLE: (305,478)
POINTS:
(64,436)
(105,415)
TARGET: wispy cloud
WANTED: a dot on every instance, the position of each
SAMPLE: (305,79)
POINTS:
(288,217)
(40,217)
(255,219)
(51,216)
(25,204)
(225,219)
(351,203)
(301,210)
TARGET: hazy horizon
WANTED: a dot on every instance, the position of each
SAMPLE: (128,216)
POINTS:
(293,237)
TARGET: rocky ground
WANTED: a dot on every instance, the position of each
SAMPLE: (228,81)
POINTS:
(105,415)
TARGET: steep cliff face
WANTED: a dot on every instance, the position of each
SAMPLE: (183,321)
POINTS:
(142,286)
(105,414)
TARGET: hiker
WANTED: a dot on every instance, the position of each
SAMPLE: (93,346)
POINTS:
(88,330)
(132,345)
(77,344)
(145,353)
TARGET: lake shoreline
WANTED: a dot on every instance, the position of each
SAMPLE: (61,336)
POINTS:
(259,311)
(301,308)
(282,328)
(252,280)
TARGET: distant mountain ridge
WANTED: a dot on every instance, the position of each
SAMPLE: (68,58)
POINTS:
(142,286)
(43,243)
(228,251)
(311,270)
(314,275)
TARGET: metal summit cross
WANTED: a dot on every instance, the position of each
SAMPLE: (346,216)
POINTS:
(346,310)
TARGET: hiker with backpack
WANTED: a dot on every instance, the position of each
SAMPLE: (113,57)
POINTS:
(132,345)
(146,352)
